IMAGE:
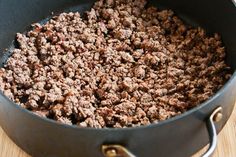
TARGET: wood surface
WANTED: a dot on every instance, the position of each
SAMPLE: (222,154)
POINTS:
(226,146)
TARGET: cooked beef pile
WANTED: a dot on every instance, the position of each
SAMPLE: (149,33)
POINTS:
(121,64)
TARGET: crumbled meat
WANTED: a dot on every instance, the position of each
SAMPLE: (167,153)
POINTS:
(120,65)
(123,33)
(139,72)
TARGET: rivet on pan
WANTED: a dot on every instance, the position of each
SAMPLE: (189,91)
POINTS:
(116,150)
(218,116)
(111,152)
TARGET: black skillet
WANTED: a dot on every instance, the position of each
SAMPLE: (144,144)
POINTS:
(180,136)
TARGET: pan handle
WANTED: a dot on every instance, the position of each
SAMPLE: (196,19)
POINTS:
(120,151)
(216,116)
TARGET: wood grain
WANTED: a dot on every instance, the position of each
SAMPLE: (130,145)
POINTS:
(226,142)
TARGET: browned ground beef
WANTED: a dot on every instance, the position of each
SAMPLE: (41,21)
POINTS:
(121,65)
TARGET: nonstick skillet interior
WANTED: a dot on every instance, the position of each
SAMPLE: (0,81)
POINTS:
(207,14)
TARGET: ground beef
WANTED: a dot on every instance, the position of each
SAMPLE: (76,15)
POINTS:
(120,65)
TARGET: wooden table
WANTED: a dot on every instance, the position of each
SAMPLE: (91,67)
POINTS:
(226,142)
